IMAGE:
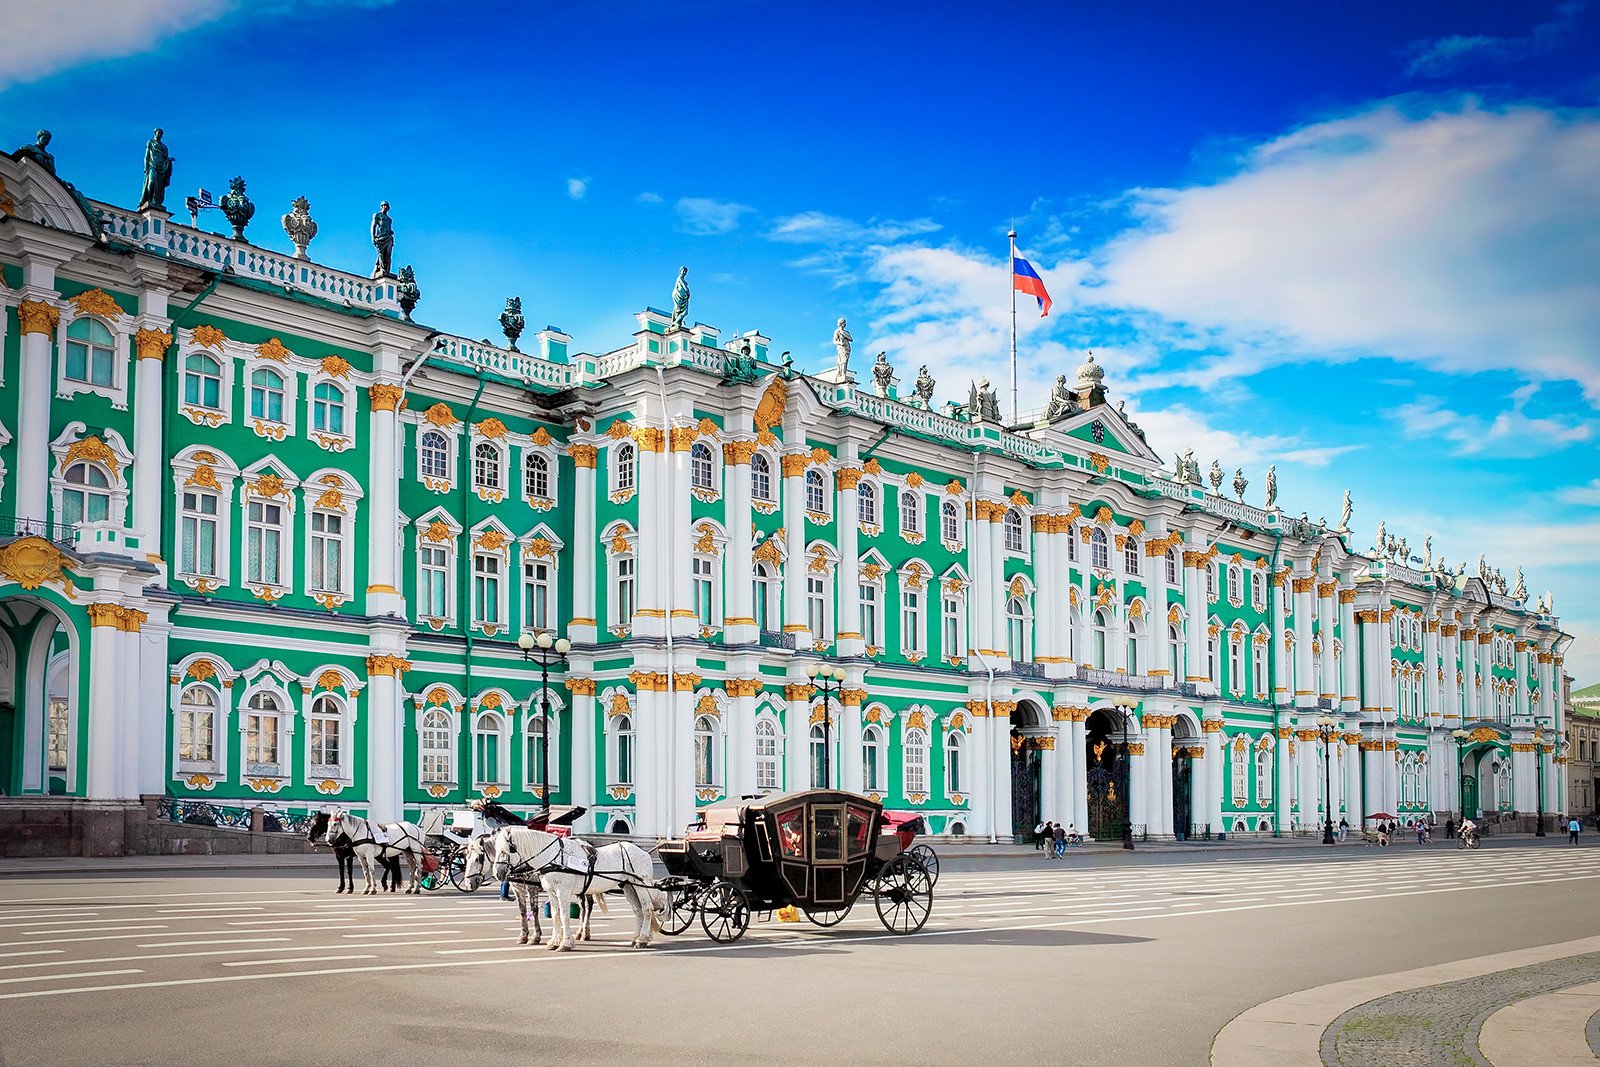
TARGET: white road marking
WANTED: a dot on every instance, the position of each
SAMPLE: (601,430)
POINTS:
(67,977)
(298,959)
(220,941)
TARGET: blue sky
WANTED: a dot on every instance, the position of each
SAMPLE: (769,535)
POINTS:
(1359,240)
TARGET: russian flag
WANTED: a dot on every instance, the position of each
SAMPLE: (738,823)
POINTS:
(1025,279)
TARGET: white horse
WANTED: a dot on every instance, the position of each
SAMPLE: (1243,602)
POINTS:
(569,869)
(525,888)
(374,842)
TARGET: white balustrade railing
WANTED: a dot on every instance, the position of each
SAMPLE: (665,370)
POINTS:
(522,365)
(702,357)
(623,359)
(212,252)
(917,420)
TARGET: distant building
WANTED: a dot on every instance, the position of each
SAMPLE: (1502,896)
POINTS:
(268,542)
(1583,750)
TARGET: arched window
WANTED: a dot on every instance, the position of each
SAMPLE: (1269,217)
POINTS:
(1101,638)
(761,478)
(197,533)
(198,727)
(535,733)
(1132,551)
(86,497)
(1172,566)
(1263,776)
(1258,657)
(1135,638)
(1012,525)
(323,740)
(327,408)
(91,353)
(1235,584)
(1017,630)
(624,468)
(485,466)
(816,492)
(767,755)
(1099,556)
(622,750)
(1258,589)
(819,757)
(952,762)
(910,512)
(1175,652)
(874,760)
(765,585)
(202,381)
(1239,757)
(434,458)
(437,746)
(266,395)
(536,476)
(1236,662)
(705,752)
(1211,581)
(867,504)
(262,723)
(915,748)
(701,468)
(950,523)
(487,735)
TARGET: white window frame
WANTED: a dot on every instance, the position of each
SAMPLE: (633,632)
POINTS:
(446,754)
(711,737)
(491,723)
(1019,629)
(316,553)
(954,647)
(117,389)
(766,595)
(1132,553)
(1014,536)
(769,765)
(1174,567)
(620,733)
(201,519)
(482,446)
(874,759)
(225,373)
(950,524)
(818,498)
(618,563)
(347,411)
(871,624)
(906,493)
(449,439)
(1263,768)
(217,713)
(955,742)
(285,717)
(501,623)
(762,462)
(913,617)
(1099,550)
(264,425)
(703,469)
(869,498)
(284,502)
(343,718)
(913,769)
(532,458)
(313,490)
(530,599)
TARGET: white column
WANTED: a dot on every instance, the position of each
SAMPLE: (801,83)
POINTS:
(653,745)
(1524,782)
(979,814)
(685,620)
(1216,765)
(1080,769)
(1164,799)
(1045,609)
(1455,708)
(1432,703)
(847,768)
(1155,584)
(651,552)
(584,547)
(1468,651)
(385,716)
(797,734)
(1329,687)
(794,566)
(582,787)
(149,461)
(1157,757)
(981,597)
(1485,672)
(1283,798)
(103,780)
(1049,772)
(681,801)
(848,624)
(1277,658)
(383,501)
(1139,784)
(152,715)
(1350,657)
(1199,610)
(995,636)
(1374,756)
(1067,758)
(1522,679)
(1352,778)
(39,319)
(1305,674)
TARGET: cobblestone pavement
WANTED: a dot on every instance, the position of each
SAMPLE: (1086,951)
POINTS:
(1438,1025)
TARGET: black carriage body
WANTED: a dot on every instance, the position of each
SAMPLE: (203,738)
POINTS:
(814,849)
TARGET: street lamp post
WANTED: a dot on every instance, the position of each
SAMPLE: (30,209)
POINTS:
(1327,728)
(1126,712)
(1538,762)
(1461,779)
(822,675)
(547,648)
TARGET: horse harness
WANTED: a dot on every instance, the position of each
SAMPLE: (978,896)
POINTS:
(558,865)
(398,847)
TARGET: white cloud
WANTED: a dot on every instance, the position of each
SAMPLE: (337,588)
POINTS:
(1465,240)
(577,188)
(705,217)
(648,199)
(816,227)
(1510,434)
(45,37)
(1445,54)
(1583,495)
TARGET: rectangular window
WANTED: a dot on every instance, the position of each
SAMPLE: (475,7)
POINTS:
(953,642)
(197,551)
(911,621)
(625,592)
(263,540)
(816,606)
(195,741)
(261,740)
(327,552)
(869,615)
(486,588)
(537,596)
(432,578)
(324,743)
(701,572)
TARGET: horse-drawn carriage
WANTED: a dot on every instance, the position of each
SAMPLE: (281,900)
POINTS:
(817,851)
(446,833)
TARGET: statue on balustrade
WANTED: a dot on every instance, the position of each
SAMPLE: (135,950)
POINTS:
(38,152)
(382,240)
(1062,403)
(680,299)
(841,347)
(882,374)
(982,403)
(923,389)
(157,174)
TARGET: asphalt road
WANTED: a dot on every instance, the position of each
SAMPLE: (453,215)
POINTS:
(1103,959)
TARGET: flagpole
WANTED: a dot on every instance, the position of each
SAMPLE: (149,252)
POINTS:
(1011,270)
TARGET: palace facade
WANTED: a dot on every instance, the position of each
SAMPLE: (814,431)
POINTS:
(267,541)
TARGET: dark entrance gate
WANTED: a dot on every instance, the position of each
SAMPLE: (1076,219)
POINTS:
(1026,766)
(1108,780)
(1182,796)
(1469,796)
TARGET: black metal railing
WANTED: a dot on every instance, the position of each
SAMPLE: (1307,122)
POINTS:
(1027,669)
(776,639)
(229,816)
(1118,680)
(60,533)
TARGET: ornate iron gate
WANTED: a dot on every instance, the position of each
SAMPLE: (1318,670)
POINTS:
(1108,794)
(1469,796)
(1182,797)
(1026,763)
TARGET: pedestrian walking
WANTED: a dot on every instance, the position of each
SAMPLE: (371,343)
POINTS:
(1422,832)
(1344,829)
(1450,828)
(1038,835)
(1573,826)
(1060,843)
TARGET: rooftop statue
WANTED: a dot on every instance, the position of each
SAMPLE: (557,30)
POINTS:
(405,289)
(300,226)
(680,299)
(1122,413)
(38,152)
(157,175)
(841,347)
(382,240)
(982,404)
(1272,486)
(1062,404)
(511,320)
(1215,477)
(1427,553)
(1381,541)
(1520,591)
(1344,513)
(924,387)
(1240,484)
(882,374)
(237,208)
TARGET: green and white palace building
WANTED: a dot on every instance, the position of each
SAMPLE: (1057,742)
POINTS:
(269,542)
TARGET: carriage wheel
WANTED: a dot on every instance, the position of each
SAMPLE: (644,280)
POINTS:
(904,895)
(682,902)
(724,912)
(438,877)
(826,917)
(929,859)
(456,865)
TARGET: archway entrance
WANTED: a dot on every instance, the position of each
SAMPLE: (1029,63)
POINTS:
(1182,779)
(1469,796)
(1027,767)
(39,714)
(1107,764)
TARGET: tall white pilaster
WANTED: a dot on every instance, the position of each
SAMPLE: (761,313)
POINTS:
(848,626)
(38,316)
(150,346)
(585,544)
(383,501)
(794,566)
